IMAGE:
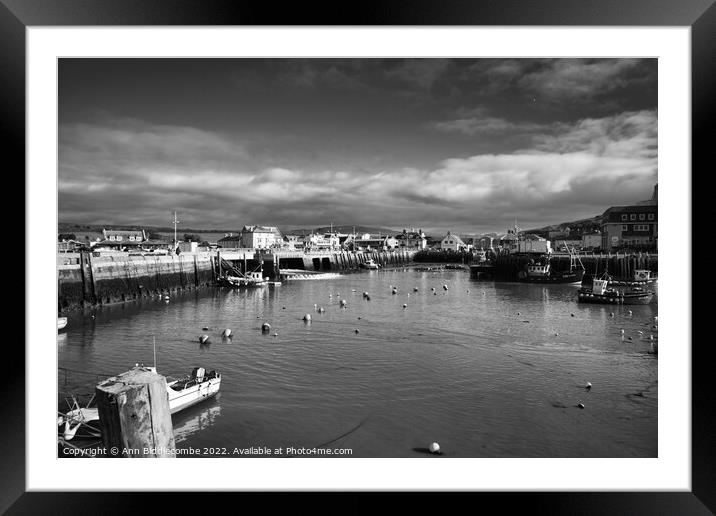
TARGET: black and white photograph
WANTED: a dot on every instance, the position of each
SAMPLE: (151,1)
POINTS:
(357,257)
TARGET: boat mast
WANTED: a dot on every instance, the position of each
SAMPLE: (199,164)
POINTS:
(175,222)
(154,346)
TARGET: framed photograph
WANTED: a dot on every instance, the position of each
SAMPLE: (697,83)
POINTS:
(414,251)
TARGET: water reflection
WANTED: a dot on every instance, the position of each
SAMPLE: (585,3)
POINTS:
(195,419)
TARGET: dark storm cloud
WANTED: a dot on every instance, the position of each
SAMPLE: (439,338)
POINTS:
(435,143)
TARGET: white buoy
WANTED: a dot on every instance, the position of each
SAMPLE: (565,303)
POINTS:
(265,327)
(166,297)
(589,385)
(432,288)
(611,314)
(434,448)
(357,330)
(307,317)
(622,331)
(629,312)
(315,305)
(581,405)
(226,333)
(656,318)
(651,337)
(445,287)
(343,303)
(275,334)
(203,339)
(321,310)
(415,289)
(405,306)
(394,291)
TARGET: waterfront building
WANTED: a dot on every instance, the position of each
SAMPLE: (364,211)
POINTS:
(230,241)
(591,241)
(452,242)
(631,226)
(114,235)
(368,242)
(322,241)
(260,237)
(412,240)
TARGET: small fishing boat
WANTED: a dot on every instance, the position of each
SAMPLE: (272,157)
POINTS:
(539,270)
(370,265)
(641,277)
(61,323)
(251,279)
(601,292)
(83,422)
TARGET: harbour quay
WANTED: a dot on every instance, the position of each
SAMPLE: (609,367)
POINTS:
(620,266)
(88,279)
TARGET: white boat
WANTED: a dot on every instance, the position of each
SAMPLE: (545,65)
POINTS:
(83,422)
(61,322)
(370,264)
(251,279)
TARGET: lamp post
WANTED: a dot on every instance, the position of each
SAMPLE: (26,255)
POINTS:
(175,222)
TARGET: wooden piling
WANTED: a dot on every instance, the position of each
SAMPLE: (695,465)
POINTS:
(134,415)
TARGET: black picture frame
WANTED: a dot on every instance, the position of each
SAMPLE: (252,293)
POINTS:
(699,15)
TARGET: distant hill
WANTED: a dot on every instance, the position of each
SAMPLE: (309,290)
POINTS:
(71,227)
(341,229)
(577,226)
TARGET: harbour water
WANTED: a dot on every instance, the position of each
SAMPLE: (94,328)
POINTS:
(486,369)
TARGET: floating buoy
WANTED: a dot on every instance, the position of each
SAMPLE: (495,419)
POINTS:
(651,337)
(343,303)
(265,327)
(283,308)
(445,287)
(205,328)
(275,334)
(435,293)
(589,385)
(580,405)
(203,339)
(556,334)
(166,297)
(321,310)
(353,290)
(315,305)
(394,291)
(518,313)
(415,289)
(405,306)
(367,298)
(432,288)
(656,318)
(611,314)
(572,315)
(434,448)
(357,330)
(629,338)
(622,331)
(359,318)
(226,333)
(629,312)
(307,317)
(468,291)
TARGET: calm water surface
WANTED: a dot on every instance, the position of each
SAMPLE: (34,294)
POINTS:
(486,369)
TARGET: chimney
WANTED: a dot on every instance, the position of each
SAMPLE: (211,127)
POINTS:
(654,196)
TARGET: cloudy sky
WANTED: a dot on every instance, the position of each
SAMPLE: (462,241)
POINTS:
(469,145)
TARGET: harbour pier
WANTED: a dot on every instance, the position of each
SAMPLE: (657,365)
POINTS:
(619,266)
(86,280)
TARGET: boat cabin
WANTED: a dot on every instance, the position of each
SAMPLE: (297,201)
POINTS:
(642,275)
(538,269)
(599,286)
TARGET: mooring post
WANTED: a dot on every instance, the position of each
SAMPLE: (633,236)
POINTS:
(134,415)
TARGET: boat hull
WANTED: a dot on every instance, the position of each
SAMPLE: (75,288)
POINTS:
(611,298)
(574,276)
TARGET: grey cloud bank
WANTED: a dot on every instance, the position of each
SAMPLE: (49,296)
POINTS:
(360,151)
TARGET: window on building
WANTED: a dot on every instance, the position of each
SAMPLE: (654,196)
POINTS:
(625,227)
(624,216)
(641,227)
(651,216)
(642,216)
(632,216)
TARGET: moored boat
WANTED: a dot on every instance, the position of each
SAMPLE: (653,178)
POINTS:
(61,322)
(539,270)
(251,279)
(370,265)
(83,422)
(601,292)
